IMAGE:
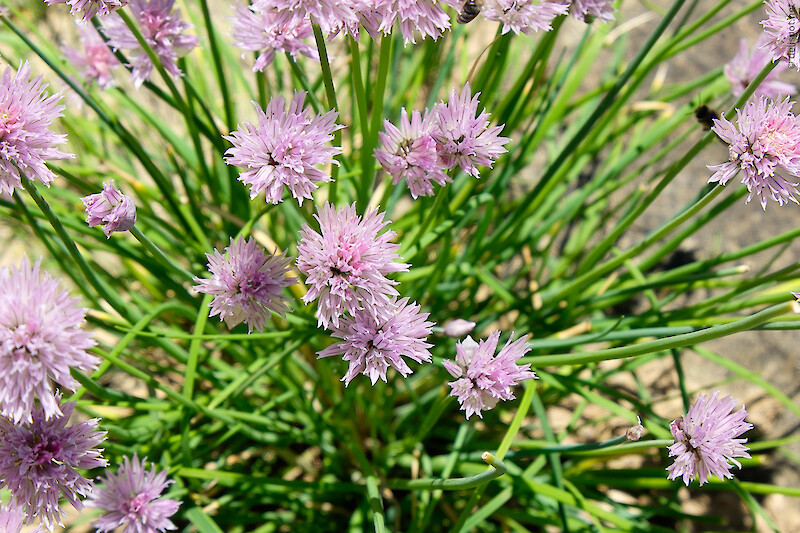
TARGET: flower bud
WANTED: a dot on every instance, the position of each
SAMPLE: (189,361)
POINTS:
(458,328)
(111,208)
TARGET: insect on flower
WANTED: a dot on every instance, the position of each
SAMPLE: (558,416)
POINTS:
(470,9)
(705,116)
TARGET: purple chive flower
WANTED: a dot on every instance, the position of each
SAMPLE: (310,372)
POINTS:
(524,15)
(94,60)
(26,114)
(705,439)
(588,10)
(257,30)
(347,262)
(464,139)
(483,379)
(90,8)
(131,499)
(247,285)
(744,67)
(765,147)
(409,152)
(111,208)
(423,16)
(163,30)
(11,518)
(781,30)
(374,340)
(40,341)
(284,149)
(329,15)
(39,461)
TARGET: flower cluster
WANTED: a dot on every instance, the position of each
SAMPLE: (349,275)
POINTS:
(746,65)
(588,10)
(89,8)
(247,285)
(162,29)
(765,148)
(425,146)
(94,60)
(483,378)
(782,29)
(706,439)
(284,150)
(111,208)
(26,142)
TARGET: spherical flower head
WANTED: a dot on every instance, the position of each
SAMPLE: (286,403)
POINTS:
(525,15)
(463,137)
(11,519)
(111,208)
(376,339)
(347,262)
(329,15)
(781,30)
(409,152)
(267,32)
(425,17)
(247,286)
(162,29)
(40,460)
(94,60)
(131,499)
(588,10)
(705,439)
(89,8)
(746,65)
(40,341)
(765,148)
(26,142)
(483,378)
(284,150)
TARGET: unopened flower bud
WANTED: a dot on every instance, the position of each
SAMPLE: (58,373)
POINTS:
(458,328)
(635,433)
(111,208)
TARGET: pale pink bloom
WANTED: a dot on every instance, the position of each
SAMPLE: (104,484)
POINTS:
(375,340)
(247,285)
(26,115)
(705,439)
(94,60)
(765,148)
(524,15)
(162,28)
(483,378)
(745,66)
(258,30)
(409,152)
(463,137)
(347,262)
(458,328)
(587,10)
(425,17)
(11,518)
(131,499)
(111,208)
(284,149)
(329,15)
(90,8)
(40,459)
(781,30)
(40,341)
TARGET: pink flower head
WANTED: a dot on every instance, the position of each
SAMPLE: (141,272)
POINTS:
(163,30)
(765,147)
(39,461)
(705,439)
(425,17)
(26,114)
(588,10)
(95,60)
(409,152)
(131,499)
(284,149)
(464,139)
(458,328)
(111,208)
(329,15)
(347,262)
(11,519)
(744,67)
(40,341)
(90,8)
(483,378)
(781,30)
(525,15)
(374,340)
(247,286)
(257,30)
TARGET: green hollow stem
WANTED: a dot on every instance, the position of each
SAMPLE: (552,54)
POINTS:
(330,91)
(676,341)
(497,470)
(371,140)
(156,252)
